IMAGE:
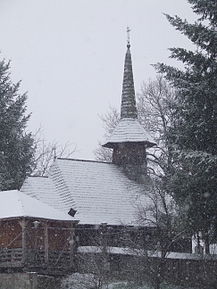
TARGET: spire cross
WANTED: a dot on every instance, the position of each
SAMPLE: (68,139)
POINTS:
(128,37)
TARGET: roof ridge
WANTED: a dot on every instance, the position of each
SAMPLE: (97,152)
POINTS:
(82,160)
(67,189)
(36,176)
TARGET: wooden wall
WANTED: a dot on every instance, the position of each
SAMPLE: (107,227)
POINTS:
(41,246)
(10,234)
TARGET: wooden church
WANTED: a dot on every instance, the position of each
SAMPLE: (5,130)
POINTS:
(104,197)
(100,194)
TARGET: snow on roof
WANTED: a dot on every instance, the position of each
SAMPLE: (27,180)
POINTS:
(100,192)
(129,130)
(17,204)
(44,189)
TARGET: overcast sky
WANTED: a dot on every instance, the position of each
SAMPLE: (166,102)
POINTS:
(69,55)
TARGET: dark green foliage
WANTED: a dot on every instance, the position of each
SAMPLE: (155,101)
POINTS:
(16,145)
(193,132)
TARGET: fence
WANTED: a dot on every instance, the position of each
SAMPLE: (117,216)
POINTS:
(177,268)
(61,261)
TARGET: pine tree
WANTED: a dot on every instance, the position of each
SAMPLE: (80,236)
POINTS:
(16,145)
(194,127)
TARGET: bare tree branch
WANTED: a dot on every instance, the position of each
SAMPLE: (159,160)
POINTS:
(46,152)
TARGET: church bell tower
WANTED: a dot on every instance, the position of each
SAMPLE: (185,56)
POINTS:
(129,140)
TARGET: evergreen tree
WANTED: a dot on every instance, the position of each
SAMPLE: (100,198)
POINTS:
(194,124)
(16,145)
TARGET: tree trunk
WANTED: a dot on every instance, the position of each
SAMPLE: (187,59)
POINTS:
(206,242)
(159,273)
(157,283)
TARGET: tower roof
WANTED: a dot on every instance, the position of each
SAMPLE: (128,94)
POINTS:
(128,129)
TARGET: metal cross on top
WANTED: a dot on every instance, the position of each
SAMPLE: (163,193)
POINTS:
(128,37)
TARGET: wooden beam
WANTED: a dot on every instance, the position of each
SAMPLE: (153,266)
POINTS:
(46,244)
(23,226)
(72,246)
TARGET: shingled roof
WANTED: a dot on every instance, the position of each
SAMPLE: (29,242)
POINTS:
(100,192)
(14,204)
(128,100)
(129,130)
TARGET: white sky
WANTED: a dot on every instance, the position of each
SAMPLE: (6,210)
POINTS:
(70,53)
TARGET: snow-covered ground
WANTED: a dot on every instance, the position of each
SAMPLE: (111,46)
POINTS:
(149,253)
(89,281)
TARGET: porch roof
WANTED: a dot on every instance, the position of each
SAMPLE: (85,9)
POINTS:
(17,204)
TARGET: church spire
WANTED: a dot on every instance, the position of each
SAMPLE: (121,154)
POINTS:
(129,140)
(128,100)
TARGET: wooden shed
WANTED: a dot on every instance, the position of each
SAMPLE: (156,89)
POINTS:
(34,236)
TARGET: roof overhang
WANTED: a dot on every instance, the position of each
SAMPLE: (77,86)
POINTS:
(112,145)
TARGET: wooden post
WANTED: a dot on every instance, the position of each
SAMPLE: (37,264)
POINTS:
(72,245)
(46,245)
(23,226)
